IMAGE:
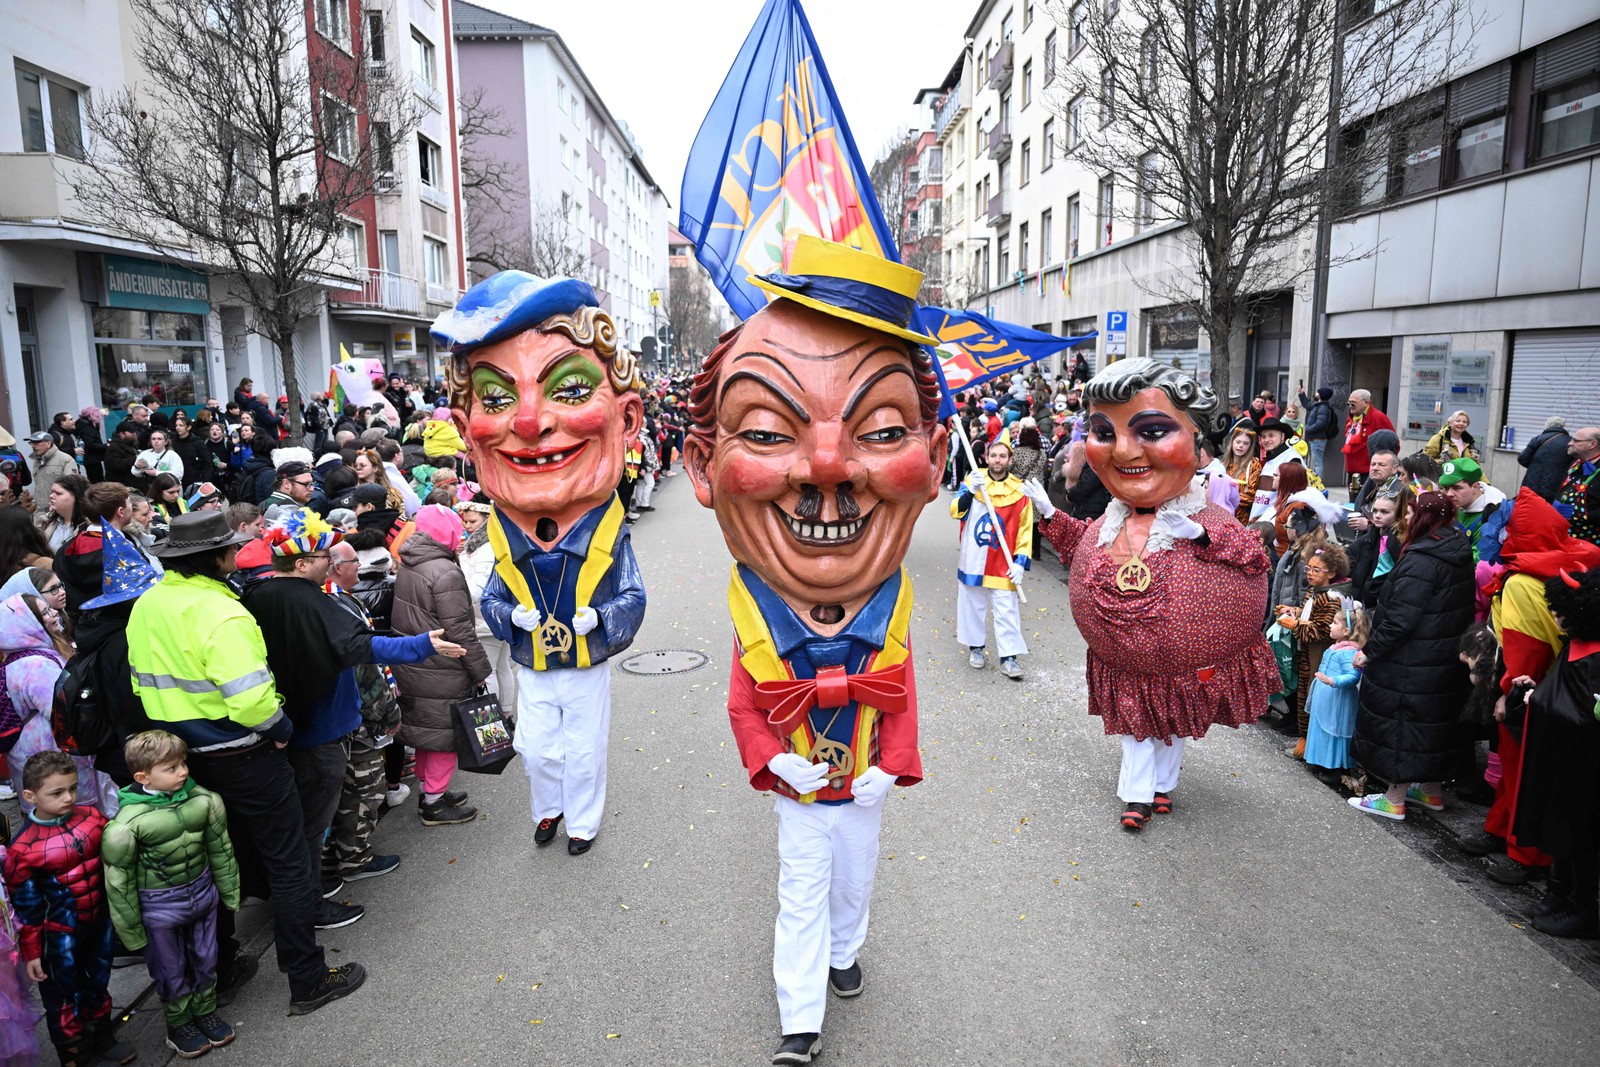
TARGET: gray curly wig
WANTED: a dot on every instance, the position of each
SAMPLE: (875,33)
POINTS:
(1121,380)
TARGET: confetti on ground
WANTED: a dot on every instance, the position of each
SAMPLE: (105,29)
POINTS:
(450,861)
(611,1036)
(534,986)
(535,1022)
(501,978)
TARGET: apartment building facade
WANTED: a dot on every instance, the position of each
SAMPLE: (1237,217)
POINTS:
(1467,278)
(1034,236)
(580,166)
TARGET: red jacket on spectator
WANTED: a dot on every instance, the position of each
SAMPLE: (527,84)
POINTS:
(1357,428)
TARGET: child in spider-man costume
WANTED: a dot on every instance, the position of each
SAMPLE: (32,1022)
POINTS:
(52,871)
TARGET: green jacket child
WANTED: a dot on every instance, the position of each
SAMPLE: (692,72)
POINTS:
(168,861)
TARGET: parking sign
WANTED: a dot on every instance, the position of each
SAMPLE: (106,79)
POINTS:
(1116,333)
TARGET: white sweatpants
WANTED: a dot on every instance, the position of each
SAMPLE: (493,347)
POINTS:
(642,491)
(563,723)
(973,603)
(827,859)
(1149,767)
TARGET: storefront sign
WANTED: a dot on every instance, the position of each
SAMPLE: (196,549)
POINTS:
(153,286)
(404,342)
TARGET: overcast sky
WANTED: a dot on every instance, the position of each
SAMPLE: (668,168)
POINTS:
(658,64)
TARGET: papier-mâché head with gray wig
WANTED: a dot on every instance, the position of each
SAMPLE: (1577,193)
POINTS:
(1118,383)
(1145,418)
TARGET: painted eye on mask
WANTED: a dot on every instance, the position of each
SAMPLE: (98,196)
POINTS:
(764,437)
(492,391)
(573,381)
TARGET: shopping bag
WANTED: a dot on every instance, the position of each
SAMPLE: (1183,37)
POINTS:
(1282,642)
(483,734)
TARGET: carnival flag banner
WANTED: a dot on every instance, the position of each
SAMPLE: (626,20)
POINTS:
(974,348)
(775,159)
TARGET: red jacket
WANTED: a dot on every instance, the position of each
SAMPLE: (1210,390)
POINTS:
(1356,431)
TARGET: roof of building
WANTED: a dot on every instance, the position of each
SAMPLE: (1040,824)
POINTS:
(471,22)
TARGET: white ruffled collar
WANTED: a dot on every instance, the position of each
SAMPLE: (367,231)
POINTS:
(1192,501)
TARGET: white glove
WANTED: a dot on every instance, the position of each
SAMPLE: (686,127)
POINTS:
(1015,573)
(584,620)
(1179,527)
(1041,499)
(525,618)
(975,481)
(871,787)
(802,775)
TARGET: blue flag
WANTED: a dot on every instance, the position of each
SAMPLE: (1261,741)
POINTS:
(775,159)
(974,348)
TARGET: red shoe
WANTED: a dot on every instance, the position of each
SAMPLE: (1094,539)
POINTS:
(1134,818)
(1162,804)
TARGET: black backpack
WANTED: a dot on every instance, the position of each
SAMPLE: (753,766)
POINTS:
(79,715)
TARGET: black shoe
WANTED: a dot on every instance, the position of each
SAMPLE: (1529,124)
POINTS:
(1568,921)
(577,846)
(645,507)
(331,884)
(1554,900)
(1478,792)
(1481,844)
(217,1032)
(101,1041)
(1508,871)
(545,832)
(187,1041)
(845,981)
(373,868)
(337,982)
(442,813)
(331,916)
(797,1048)
(452,799)
(1135,816)
(232,974)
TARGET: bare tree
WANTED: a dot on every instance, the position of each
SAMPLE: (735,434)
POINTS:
(493,191)
(1217,115)
(892,183)
(556,245)
(242,147)
(693,309)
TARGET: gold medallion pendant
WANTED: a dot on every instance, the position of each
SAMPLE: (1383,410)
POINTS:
(1133,576)
(838,756)
(555,639)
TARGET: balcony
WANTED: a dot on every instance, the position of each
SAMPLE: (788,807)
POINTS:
(443,295)
(37,185)
(1000,140)
(383,290)
(1000,208)
(1000,67)
(954,105)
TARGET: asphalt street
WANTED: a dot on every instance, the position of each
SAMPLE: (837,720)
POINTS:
(1264,922)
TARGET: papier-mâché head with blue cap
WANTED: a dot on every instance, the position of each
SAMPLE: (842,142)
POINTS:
(544,395)
(815,434)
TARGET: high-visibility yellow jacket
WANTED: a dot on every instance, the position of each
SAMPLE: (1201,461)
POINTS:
(199,664)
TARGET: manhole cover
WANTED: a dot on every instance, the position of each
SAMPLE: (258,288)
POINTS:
(665,661)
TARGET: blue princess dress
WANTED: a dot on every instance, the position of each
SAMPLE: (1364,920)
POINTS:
(1333,709)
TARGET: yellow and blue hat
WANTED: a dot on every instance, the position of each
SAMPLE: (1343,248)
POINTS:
(128,575)
(506,304)
(850,284)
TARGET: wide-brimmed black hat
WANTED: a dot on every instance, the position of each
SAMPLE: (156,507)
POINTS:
(1275,423)
(199,531)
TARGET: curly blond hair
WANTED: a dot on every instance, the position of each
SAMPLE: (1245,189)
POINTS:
(588,327)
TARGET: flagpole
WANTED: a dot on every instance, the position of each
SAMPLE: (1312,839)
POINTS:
(983,493)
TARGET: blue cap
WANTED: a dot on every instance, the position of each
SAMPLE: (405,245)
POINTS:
(507,304)
(128,575)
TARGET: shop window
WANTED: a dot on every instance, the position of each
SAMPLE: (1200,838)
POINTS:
(1569,117)
(143,353)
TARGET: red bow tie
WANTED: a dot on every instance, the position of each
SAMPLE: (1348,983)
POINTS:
(832,688)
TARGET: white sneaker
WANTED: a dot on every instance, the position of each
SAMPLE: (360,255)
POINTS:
(397,796)
(975,660)
(6,792)
(1009,668)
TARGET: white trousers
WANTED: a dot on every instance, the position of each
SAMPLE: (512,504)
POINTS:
(642,491)
(827,859)
(563,723)
(1149,767)
(973,603)
(504,679)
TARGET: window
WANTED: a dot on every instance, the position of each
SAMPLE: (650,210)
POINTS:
(52,114)
(1108,94)
(1145,211)
(333,21)
(566,154)
(422,60)
(1022,248)
(1026,166)
(1048,147)
(434,260)
(1422,163)
(1075,122)
(1027,13)
(1075,27)
(383,154)
(242,169)
(377,48)
(1046,236)
(1480,147)
(1149,62)
(430,163)
(1027,83)
(338,130)
(351,245)
(1050,57)
(1569,117)
(1002,258)
(1005,26)
(1072,227)
(1108,197)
